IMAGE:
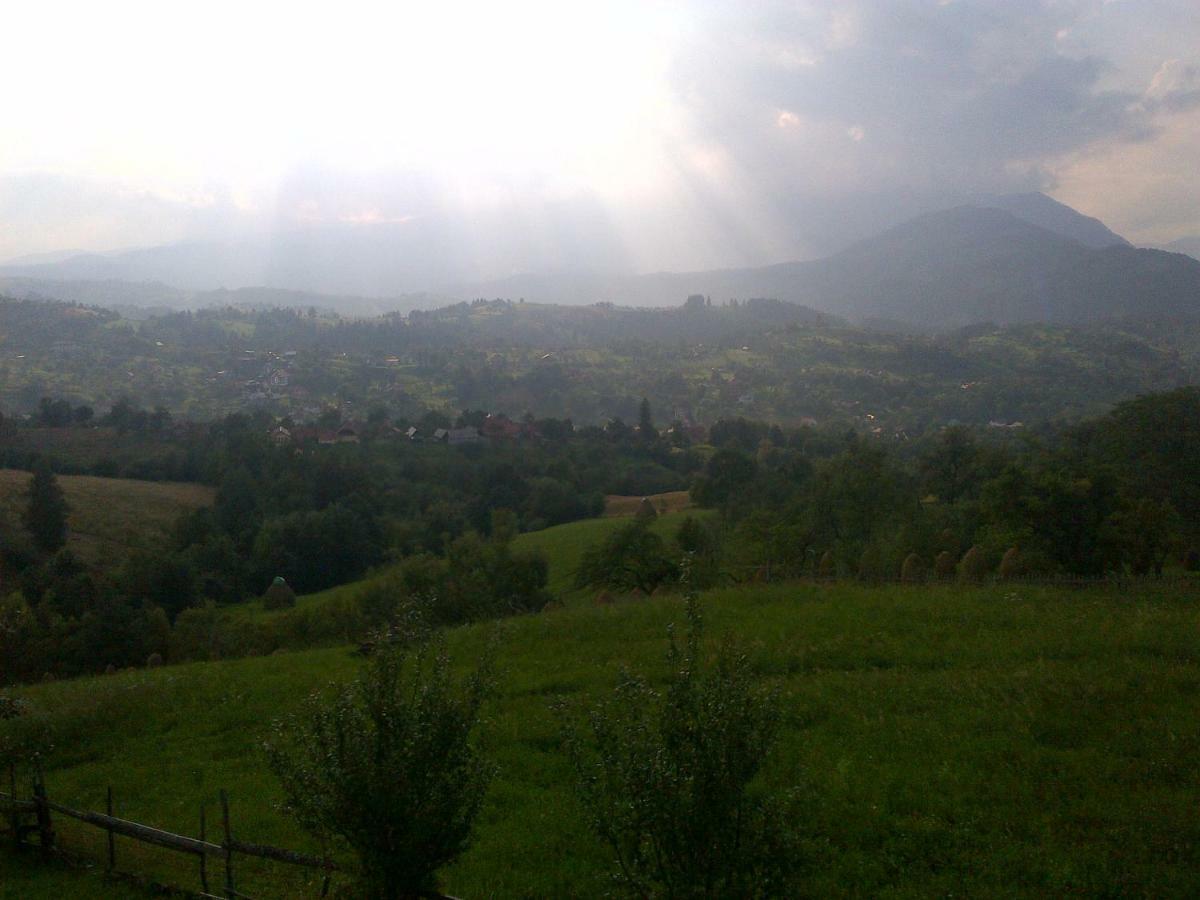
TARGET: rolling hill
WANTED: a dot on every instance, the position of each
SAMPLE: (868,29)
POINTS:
(108,515)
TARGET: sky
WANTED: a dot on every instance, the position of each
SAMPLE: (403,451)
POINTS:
(634,135)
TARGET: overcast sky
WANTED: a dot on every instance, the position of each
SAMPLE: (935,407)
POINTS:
(669,135)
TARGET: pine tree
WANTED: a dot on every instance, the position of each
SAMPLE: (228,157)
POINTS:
(646,429)
(46,515)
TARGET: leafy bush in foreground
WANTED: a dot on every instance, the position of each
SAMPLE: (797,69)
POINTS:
(389,765)
(665,777)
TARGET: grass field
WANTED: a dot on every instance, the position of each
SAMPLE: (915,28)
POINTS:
(562,545)
(942,740)
(108,516)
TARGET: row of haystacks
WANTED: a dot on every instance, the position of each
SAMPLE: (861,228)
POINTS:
(974,566)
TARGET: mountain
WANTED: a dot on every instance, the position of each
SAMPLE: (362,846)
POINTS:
(1189,245)
(1046,212)
(154,295)
(1016,258)
(941,270)
(378,259)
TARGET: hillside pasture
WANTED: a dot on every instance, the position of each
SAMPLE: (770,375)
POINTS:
(669,502)
(980,741)
(108,516)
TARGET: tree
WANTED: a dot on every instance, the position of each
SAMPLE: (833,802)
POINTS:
(390,766)
(46,514)
(646,429)
(631,558)
(665,778)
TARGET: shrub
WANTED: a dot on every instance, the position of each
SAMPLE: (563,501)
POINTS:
(12,707)
(279,595)
(665,777)
(827,568)
(154,660)
(389,765)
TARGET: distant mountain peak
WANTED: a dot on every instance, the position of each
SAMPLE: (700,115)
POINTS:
(1046,212)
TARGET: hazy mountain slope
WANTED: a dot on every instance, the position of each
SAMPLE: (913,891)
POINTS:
(381,259)
(1034,260)
(945,269)
(1188,245)
(1046,212)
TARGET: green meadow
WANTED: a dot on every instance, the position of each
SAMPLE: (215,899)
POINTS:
(938,740)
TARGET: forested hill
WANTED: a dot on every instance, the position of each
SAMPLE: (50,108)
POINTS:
(699,362)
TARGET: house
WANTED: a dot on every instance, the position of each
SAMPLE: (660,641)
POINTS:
(346,435)
(412,433)
(280,436)
(440,434)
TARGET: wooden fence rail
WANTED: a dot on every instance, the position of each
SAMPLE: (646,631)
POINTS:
(39,807)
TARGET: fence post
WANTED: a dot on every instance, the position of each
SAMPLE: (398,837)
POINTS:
(112,843)
(45,829)
(230,892)
(203,856)
(14,817)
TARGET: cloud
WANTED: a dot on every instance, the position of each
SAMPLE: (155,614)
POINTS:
(939,100)
(42,211)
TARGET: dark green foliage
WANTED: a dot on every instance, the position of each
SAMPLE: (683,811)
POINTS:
(476,580)
(646,429)
(1154,443)
(1147,532)
(700,542)
(316,550)
(390,766)
(666,777)
(726,475)
(632,558)
(46,513)
(165,580)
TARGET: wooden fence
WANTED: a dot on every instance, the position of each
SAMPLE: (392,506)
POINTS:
(767,573)
(31,818)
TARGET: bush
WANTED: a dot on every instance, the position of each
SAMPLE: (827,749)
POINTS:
(666,777)
(827,567)
(389,766)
